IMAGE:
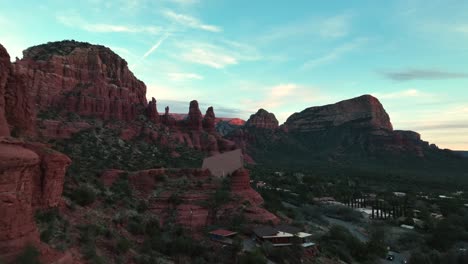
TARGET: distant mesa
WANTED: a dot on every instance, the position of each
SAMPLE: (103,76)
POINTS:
(361,112)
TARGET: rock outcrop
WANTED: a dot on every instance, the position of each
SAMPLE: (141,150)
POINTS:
(192,201)
(362,112)
(194,120)
(152,111)
(167,118)
(262,119)
(78,77)
(209,120)
(31,177)
(4,73)
(240,187)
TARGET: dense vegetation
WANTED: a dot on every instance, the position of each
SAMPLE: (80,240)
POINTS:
(349,152)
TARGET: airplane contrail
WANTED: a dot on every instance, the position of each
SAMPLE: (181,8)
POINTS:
(161,40)
(152,49)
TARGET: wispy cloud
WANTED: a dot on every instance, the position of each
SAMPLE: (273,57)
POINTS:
(463,28)
(78,22)
(184,2)
(337,26)
(189,21)
(422,74)
(335,54)
(401,94)
(219,55)
(211,58)
(324,27)
(182,76)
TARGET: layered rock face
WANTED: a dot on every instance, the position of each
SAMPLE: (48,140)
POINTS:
(240,186)
(195,116)
(190,212)
(152,111)
(31,177)
(4,73)
(361,112)
(86,79)
(262,119)
(209,120)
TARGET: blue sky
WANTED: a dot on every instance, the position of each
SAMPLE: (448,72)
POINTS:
(283,56)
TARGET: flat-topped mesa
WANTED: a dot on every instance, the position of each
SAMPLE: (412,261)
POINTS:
(262,119)
(152,111)
(90,80)
(361,112)
(194,116)
(209,120)
(4,73)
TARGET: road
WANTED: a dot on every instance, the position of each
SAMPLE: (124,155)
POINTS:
(353,228)
(399,258)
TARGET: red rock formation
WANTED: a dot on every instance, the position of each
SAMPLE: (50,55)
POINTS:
(262,119)
(18,167)
(48,181)
(86,79)
(4,73)
(167,119)
(209,120)
(194,117)
(362,112)
(31,176)
(240,187)
(60,129)
(152,111)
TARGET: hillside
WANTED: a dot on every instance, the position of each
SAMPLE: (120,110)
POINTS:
(354,136)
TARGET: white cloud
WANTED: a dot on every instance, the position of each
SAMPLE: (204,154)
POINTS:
(335,27)
(216,56)
(162,91)
(76,21)
(210,58)
(184,2)
(401,94)
(283,90)
(312,27)
(462,28)
(181,76)
(190,21)
(334,54)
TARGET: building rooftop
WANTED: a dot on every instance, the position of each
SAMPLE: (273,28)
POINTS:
(222,232)
(281,230)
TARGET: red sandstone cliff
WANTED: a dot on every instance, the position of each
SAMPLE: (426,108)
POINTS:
(195,194)
(31,177)
(86,79)
(4,73)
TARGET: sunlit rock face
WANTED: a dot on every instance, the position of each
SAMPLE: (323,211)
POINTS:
(90,80)
(362,112)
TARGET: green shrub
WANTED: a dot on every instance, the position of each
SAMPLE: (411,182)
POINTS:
(123,245)
(29,255)
(83,195)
